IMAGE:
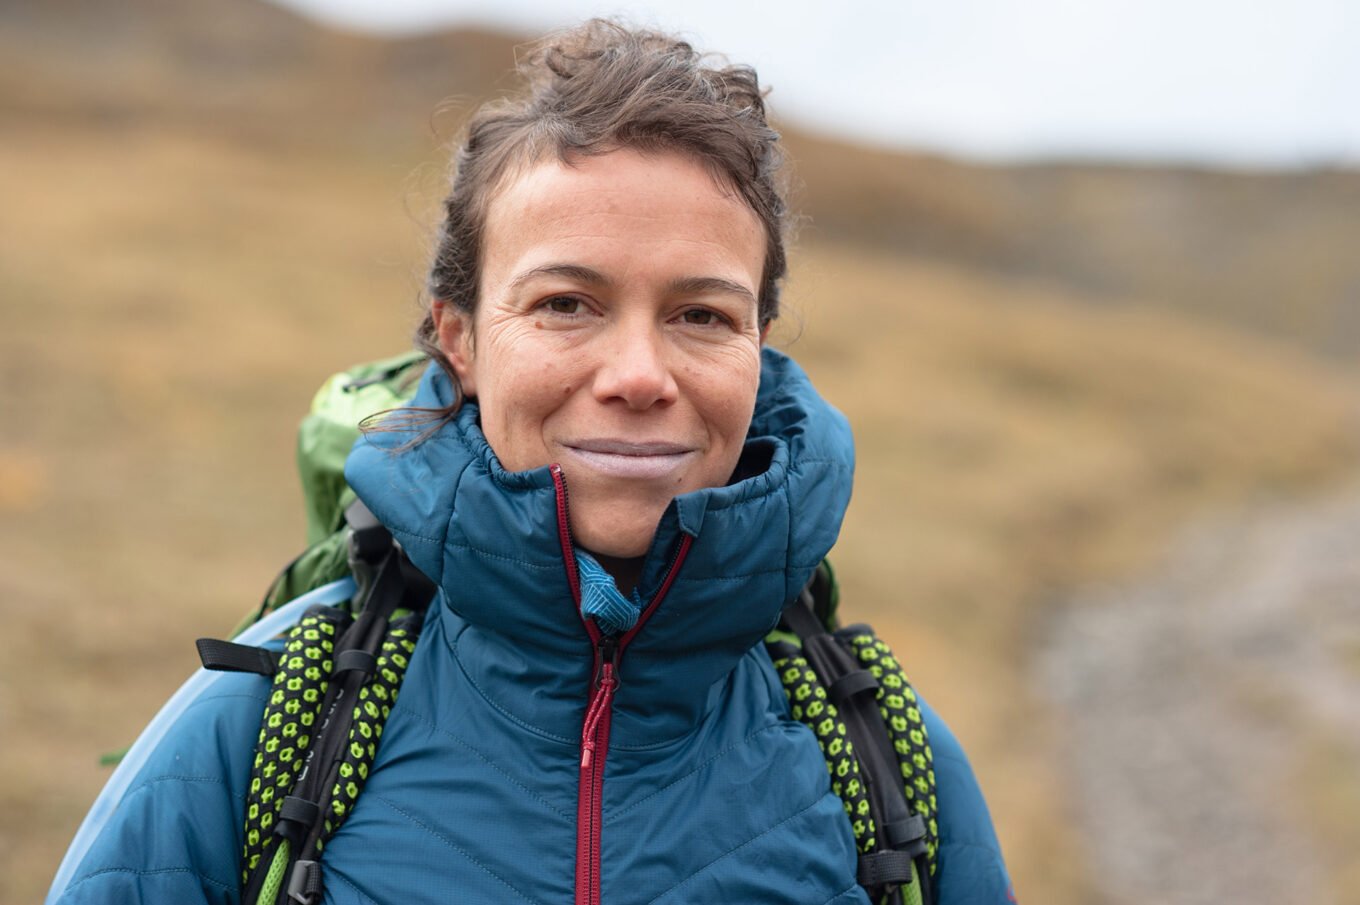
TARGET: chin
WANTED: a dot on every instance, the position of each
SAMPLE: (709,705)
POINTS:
(615,534)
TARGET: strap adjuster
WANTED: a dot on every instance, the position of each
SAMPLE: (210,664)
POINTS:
(908,835)
(852,683)
(296,814)
(355,660)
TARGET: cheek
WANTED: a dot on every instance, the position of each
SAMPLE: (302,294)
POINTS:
(513,368)
(519,398)
(729,396)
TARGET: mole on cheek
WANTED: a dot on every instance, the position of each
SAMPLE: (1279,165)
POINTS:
(538,325)
(566,390)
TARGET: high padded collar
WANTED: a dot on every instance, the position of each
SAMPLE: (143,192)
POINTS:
(489,539)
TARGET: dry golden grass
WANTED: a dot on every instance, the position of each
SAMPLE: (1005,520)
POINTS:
(169,299)
(1016,442)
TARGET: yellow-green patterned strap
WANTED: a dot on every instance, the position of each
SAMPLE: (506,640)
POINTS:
(809,705)
(899,708)
(898,705)
(289,732)
(371,710)
(286,729)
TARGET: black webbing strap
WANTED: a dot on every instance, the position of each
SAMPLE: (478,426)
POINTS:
(386,583)
(888,867)
(368,539)
(390,594)
(228,656)
(882,871)
(800,617)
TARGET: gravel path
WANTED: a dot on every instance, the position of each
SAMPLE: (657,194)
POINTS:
(1183,694)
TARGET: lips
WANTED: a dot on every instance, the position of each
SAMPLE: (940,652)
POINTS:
(639,460)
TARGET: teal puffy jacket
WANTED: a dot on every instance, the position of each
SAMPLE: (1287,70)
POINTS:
(699,787)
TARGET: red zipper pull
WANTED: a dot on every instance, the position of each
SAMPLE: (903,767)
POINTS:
(601,705)
(604,697)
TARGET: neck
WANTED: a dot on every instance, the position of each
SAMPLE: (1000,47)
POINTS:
(625,570)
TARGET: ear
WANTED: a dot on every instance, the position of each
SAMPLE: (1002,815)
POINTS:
(453,332)
(765,331)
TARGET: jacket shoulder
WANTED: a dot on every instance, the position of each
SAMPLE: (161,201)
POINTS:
(175,834)
(971,869)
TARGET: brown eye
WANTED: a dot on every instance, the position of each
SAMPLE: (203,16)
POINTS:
(563,304)
(701,317)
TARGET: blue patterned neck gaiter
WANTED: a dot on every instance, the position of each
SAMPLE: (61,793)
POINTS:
(601,599)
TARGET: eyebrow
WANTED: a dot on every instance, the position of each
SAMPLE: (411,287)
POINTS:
(578,272)
(593,277)
(706,285)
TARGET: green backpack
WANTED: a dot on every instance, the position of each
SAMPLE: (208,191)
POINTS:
(340,670)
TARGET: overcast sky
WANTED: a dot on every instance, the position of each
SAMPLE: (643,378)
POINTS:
(1262,82)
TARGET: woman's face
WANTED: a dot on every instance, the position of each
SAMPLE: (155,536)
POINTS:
(616,334)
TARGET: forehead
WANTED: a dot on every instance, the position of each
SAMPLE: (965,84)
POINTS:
(623,209)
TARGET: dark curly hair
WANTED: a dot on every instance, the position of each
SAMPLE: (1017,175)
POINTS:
(597,88)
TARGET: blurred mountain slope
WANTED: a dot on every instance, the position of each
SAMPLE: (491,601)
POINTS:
(240,66)
(1271,252)
(211,206)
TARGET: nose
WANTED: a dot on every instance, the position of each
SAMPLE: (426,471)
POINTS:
(634,366)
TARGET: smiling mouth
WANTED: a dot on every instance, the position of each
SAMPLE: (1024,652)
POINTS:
(630,459)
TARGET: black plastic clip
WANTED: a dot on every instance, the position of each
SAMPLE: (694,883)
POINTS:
(304,885)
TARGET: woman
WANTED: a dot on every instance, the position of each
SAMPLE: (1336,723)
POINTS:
(589,715)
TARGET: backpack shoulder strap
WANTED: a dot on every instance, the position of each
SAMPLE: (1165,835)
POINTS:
(337,678)
(848,688)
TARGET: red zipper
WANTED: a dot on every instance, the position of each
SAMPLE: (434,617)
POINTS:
(564,536)
(600,706)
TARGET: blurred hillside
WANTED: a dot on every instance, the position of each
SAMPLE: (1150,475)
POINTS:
(1270,252)
(212,205)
